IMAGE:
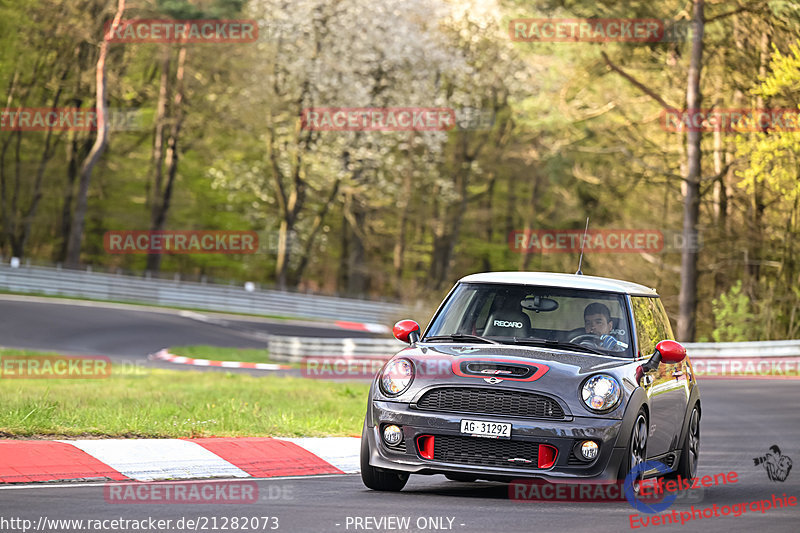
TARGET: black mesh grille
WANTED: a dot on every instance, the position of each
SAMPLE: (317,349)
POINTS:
(574,461)
(485,452)
(487,401)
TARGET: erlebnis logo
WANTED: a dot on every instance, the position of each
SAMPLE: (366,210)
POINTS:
(778,466)
(507,324)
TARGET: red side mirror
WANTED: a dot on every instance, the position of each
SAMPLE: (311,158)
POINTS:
(406,331)
(671,352)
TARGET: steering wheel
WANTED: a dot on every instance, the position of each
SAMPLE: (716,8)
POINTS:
(586,338)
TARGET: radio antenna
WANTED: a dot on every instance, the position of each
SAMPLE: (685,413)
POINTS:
(583,241)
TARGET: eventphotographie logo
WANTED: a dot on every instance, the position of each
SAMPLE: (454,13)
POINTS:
(775,463)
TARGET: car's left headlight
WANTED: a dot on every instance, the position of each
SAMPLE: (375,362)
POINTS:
(601,392)
(397,377)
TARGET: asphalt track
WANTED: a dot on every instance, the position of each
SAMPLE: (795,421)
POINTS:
(130,333)
(741,420)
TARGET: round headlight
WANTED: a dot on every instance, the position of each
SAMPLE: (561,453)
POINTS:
(396,377)
(601,392)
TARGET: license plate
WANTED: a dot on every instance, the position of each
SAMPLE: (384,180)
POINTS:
(480,428)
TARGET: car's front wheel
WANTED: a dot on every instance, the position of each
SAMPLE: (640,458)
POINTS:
(690,452)
(379,478)
(637,451)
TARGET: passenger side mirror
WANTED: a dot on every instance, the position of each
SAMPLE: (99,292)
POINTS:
(668,351)
(406,331)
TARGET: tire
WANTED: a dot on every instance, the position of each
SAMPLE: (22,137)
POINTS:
(636,452)
(690,451)
(379,478)
(464,478)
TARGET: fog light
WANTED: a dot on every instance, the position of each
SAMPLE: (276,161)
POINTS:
(392,435)
(589,449)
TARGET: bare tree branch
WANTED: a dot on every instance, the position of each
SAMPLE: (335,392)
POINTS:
(639,85)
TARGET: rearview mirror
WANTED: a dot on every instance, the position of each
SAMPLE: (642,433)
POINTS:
(406,331)
(539,303)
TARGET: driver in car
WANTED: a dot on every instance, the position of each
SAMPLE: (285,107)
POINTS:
(597,321)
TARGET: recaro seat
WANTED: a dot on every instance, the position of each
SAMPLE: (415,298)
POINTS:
(508,320)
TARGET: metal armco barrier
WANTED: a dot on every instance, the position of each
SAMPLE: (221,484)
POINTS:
(296,349)
(211,297)
(729,350)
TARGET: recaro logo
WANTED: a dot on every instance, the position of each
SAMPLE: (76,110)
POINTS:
(507,324)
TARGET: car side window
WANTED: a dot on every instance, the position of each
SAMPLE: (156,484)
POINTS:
(652,323)
(662,320)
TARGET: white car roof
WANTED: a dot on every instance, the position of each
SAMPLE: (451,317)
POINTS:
(553,279)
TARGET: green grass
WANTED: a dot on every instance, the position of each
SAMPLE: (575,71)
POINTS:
(142,402)
(215,353)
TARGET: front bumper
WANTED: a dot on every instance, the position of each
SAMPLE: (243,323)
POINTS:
(561,434)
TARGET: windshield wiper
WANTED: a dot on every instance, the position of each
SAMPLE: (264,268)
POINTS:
(459,337)
(548,343)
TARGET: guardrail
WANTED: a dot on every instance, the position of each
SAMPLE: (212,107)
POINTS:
(702,350)
(297,349)
(207,296)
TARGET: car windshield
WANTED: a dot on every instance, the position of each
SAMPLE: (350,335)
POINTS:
(522,314)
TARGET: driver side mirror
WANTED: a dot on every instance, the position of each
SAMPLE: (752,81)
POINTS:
(670,352)
(406,331)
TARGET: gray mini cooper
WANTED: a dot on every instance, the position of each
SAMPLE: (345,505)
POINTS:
(535,375)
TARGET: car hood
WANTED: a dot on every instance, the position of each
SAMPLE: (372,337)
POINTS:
(554,372)
(558,360)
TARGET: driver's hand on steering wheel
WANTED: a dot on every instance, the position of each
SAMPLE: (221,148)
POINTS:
(608,342)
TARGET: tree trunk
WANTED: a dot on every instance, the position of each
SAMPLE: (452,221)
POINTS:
(78,219)
(153,196)
(163,198)
(691,201)
(399,252)
(489,235)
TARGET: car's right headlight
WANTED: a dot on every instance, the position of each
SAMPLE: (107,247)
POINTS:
(397,377)
(601,392)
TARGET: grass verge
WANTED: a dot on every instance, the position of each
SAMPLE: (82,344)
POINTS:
(142,402)
(215,353)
